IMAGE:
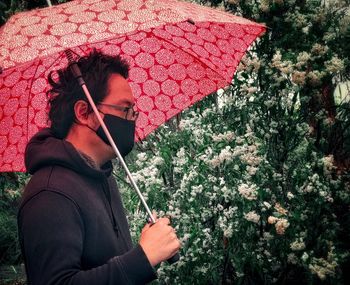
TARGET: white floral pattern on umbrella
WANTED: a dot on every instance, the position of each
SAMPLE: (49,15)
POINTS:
(179,53)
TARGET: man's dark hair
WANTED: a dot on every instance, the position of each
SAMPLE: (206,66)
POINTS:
(96,69)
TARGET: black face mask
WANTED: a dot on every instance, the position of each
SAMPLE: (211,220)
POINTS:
(122,132)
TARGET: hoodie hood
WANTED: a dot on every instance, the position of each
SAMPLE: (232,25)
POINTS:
(44,149)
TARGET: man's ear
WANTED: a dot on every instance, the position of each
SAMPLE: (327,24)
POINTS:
(81,110)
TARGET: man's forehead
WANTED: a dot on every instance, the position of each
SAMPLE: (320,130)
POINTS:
(119,91)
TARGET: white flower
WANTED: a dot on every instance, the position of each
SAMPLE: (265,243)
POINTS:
(180,160)
(277,59)
(228,232)
(302,59)
(280,209)
(196,190)
(141,159)
(252,217)
(188,123)
(304,257)
(323,267)
(219,207)
(292,258)
(212,178)
(12,193)
(158,161)
(297,245)
(248,192)
(334,65)
(227,136)
(252,170)
(281,225)
(267,236)
(286,68)
(239,140)
(319,49)
(215,162)
(225,155)
(290,195)
(267,253)
(272,220)
(299,20)
(306,29)
(264,6)
(255,62)
(329,36)
(252,89)
(181,152)
(328,165)
(226,193)
(299,77)
(233,2)
(225,226)
(329,199)
(315,77)
(198,134)
(269,103)
(142,156)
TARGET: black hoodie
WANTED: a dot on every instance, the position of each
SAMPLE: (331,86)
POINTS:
(72,224)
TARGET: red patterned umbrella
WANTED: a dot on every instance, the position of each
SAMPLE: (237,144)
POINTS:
(179,52)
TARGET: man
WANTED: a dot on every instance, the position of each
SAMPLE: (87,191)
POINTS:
(72,225)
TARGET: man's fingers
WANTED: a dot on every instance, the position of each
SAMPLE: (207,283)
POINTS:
(164,221)
(173,236)
(146,227)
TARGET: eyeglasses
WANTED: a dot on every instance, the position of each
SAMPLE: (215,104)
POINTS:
(130,113)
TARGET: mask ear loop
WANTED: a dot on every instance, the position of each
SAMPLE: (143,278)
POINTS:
(86,114)
(97,128)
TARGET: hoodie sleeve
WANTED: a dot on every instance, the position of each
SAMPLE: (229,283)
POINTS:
(52,233)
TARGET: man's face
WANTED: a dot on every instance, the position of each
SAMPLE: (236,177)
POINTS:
(118,102)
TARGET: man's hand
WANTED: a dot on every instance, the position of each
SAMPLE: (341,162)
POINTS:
(159,241)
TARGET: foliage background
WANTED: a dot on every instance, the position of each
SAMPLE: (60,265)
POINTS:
(256,177)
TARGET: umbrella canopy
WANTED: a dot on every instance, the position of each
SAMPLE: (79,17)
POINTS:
(179,52)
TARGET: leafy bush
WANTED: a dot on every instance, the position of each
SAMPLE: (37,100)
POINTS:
(239,213)
(11,185)
(256,178)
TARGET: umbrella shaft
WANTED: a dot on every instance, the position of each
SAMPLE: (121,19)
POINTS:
(104,127)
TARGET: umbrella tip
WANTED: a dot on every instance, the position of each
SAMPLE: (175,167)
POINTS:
(190,21)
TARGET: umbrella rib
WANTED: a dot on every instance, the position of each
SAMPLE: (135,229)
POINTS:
(174,44)
(29,97)
(31,85)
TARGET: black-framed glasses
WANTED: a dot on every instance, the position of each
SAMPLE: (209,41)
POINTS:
(130,113)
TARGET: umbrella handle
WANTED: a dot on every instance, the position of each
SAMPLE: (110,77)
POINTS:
(174,258)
